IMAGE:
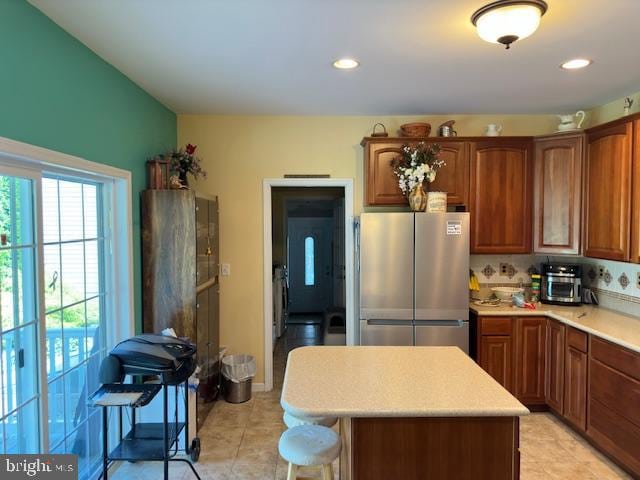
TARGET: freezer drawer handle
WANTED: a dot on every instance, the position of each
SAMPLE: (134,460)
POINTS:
(439,323)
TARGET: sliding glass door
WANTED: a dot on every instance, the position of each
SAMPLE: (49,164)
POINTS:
(74,268)
(55,267)
(19,317)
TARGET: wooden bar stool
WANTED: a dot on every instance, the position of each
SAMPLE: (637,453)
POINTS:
(310,445)
(292,421)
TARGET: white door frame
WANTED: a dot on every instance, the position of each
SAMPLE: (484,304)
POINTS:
(267,185)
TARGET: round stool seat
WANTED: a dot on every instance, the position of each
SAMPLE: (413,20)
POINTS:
(309,445)
(292,421)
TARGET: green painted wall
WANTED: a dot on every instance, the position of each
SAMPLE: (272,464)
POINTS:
(56,93)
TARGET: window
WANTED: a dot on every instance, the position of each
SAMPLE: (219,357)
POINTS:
(65,267)
(309,262)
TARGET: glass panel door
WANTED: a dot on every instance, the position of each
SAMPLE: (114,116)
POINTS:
(74,264)
(19,387)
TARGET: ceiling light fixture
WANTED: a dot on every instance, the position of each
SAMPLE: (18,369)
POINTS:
(576,63)
(346,63)
(506,21)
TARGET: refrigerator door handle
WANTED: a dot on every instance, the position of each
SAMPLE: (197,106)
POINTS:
(440,323)
(389,321)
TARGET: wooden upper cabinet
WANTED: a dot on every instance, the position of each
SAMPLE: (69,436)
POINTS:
(558,194)
(635,200)
(608,191)
(381,185)
(453,177)
(500,199)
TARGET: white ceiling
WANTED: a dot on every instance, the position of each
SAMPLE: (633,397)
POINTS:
(417,56)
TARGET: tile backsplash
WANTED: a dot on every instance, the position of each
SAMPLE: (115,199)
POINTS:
(615,283)
(518,268)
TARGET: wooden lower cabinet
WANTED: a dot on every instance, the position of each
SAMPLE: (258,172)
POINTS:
(575,388)
(496,358)
(530,359)
(613,417)
(592,383)
(461,448)
(555,356)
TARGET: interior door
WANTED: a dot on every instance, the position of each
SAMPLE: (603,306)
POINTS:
(310,264)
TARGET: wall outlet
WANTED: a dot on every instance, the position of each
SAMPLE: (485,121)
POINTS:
(638,280)
(601,270)
(504,269)
(225,269)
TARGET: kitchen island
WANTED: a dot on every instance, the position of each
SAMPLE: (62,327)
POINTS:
(408,412)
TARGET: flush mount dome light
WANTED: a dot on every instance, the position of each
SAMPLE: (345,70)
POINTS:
(506,21)
(576,63)
(346,63)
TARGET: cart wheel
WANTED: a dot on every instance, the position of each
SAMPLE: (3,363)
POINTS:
(195,449)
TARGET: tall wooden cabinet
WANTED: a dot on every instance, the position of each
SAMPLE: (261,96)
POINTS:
(180,277)
(501,195)
(635,199)
(608,191)
(558,194)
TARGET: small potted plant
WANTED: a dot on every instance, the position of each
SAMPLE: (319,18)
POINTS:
(183,162)
(415,168)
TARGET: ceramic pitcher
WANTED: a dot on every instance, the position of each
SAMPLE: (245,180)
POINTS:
(493,130)
(567,122)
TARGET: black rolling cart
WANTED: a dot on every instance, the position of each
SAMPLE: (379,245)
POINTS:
(146,441)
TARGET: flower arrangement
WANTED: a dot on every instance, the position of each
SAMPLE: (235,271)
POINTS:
(417,165)
(184,161)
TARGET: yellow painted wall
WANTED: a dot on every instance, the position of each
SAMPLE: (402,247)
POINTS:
(240,151)
(612,110)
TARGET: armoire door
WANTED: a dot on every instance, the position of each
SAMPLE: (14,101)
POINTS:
(202,240)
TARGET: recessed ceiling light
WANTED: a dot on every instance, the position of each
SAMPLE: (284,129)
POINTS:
(506,21)
(346,63)
(576,63)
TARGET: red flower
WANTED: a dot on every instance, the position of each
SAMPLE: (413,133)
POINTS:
(191,149)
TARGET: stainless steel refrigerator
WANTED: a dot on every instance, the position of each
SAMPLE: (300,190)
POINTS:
(414,279)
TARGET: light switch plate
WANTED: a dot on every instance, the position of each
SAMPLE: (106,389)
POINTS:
(225,269)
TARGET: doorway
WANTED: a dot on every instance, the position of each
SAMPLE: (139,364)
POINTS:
(308,268)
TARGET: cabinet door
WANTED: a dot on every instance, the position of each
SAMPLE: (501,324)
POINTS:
(608,192)
(554,388)
(381,183)
(202,327)
(453,177)
(202,237)
(213,242)
(635,200)
(557,194)
(530,359)
(500,203)
(214,322)
(575,388)
(496,358)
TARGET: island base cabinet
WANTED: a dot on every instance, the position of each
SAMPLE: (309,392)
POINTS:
(461,448)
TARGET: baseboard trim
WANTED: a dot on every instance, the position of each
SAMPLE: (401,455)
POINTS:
(257,387)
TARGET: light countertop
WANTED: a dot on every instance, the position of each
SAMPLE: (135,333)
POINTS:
(616,327)
(391,382)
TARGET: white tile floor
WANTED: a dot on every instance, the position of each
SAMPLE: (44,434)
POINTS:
(240,442)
